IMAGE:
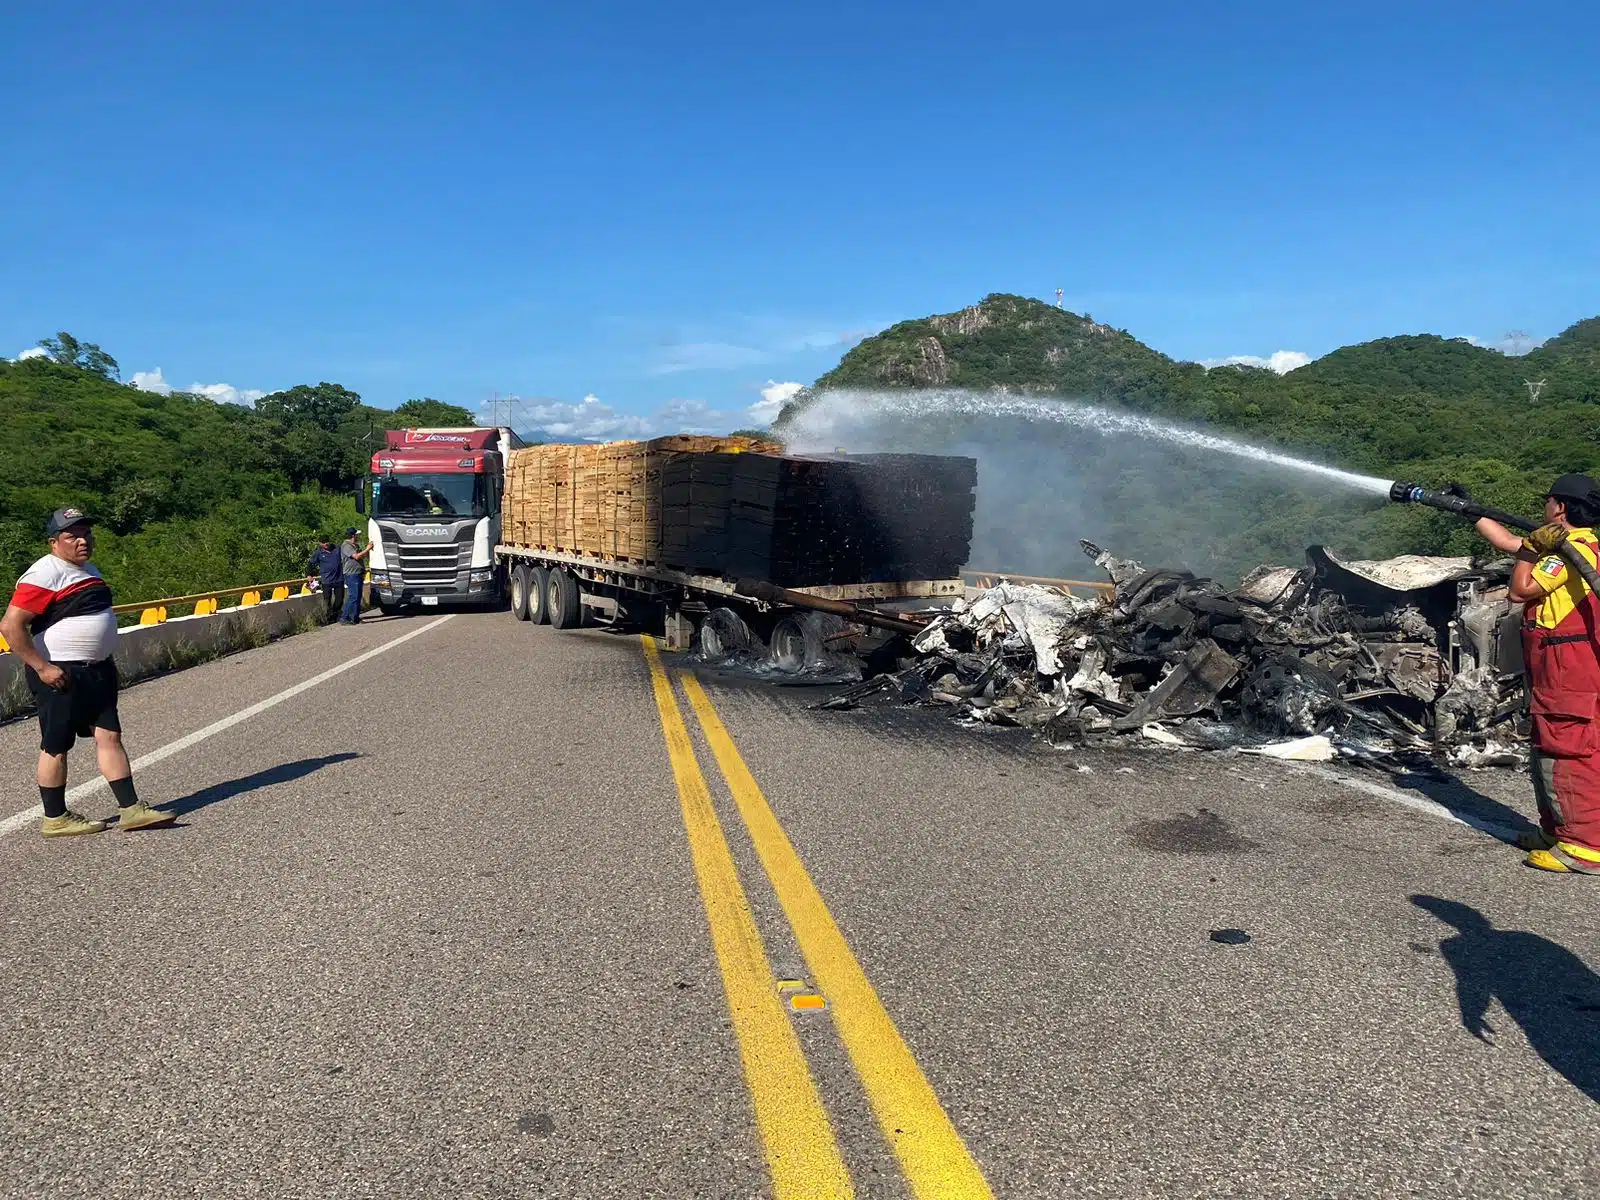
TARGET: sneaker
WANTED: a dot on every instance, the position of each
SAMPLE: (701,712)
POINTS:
(140,815)
(69,824)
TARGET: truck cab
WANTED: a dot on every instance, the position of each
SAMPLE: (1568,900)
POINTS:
(433,499)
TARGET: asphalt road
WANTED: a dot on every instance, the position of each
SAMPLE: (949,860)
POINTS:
(456,922)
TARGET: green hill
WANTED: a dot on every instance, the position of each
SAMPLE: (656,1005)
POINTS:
(188,494)
(1420,407)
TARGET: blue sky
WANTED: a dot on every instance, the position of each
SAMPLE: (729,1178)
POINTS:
(669,208)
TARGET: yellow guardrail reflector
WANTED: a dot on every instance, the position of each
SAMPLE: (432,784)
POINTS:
(148,617)
(280,593)
(5,646)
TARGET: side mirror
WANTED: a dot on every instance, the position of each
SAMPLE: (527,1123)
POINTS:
(361,498)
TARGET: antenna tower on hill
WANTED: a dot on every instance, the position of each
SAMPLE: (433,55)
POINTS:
(1058,299)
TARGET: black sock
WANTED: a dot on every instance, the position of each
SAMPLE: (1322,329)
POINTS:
(122,789)
(54,800)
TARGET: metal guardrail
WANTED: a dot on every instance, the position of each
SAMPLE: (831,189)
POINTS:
(988,579)
(154,612)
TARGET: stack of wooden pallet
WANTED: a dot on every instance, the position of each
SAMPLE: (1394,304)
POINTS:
(739,508)
(600,500)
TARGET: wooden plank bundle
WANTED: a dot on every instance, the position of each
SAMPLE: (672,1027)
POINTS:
(739,508)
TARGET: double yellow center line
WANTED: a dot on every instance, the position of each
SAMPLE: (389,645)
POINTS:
(802,1152)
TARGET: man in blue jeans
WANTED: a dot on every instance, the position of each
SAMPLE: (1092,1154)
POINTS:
(351,557)
(326,568)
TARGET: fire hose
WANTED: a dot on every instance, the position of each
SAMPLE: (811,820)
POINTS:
(1411,493)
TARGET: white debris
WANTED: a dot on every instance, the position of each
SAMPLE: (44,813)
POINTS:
(931,640)
(1164,736)
(1316,748)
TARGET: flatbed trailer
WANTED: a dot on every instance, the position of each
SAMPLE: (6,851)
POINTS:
(561,589)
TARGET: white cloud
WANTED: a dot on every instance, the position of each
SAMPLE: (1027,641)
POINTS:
(1281,361)
(221,393)
(773,397)
(151,381)
(593,420)
(33,352)
(226,393)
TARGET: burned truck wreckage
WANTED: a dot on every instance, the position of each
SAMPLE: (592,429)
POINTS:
(1363,659)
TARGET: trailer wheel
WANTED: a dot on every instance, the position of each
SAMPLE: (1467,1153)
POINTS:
(724,632)
(519,591)
(790,653)
(538,595)
(566,605)
(801,640)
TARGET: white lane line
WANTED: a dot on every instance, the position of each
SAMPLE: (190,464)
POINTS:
(20,819)
(1418,803)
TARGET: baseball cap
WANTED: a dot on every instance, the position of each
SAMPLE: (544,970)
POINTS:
(64,519)
(1572,487)
(350,532)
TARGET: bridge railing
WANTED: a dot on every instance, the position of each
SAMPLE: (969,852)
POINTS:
(200,604)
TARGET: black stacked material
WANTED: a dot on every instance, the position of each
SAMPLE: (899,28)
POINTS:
(804,522)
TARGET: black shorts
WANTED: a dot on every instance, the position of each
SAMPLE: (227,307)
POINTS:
(89,703)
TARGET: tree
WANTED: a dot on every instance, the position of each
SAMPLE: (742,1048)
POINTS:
(428,413)
(86,356)
(324,406)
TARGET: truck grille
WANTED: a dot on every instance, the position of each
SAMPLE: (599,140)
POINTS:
(426,565)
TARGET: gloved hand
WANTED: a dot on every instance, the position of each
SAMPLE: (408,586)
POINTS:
(1545,539)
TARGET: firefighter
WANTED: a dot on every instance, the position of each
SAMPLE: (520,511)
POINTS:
(1561,654)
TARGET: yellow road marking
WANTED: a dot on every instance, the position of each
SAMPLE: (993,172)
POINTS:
(936,1162)
(802,1154)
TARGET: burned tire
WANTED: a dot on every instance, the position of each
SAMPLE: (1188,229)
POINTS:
(566,604)
(793,645)
(519,591)
(800,640)
(724,633)
(539,595)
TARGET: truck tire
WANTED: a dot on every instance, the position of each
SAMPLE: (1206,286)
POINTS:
(519,591)
(539,595)
(792,649)
(724,634)
(800,640)
(566,605)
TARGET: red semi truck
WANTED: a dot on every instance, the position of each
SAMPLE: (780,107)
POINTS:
(433,504)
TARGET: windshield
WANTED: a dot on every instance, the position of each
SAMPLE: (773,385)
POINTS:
(429,496)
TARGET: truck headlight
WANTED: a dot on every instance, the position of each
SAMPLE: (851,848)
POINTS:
(380,577)
(484,576)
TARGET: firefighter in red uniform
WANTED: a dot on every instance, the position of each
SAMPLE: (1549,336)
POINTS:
(1561,653)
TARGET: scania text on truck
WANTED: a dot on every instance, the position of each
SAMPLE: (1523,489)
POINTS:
(435,499)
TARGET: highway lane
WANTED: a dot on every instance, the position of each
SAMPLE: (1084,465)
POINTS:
(435,925)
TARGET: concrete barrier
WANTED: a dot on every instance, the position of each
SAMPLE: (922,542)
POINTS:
(145,650)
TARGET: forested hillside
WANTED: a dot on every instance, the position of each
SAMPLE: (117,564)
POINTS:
(1421,407)
(188,494)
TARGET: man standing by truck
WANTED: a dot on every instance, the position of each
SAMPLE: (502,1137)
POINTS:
(326,568)
(351,557)
(60,623)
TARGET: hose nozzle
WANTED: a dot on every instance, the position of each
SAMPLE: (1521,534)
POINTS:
(1404,493)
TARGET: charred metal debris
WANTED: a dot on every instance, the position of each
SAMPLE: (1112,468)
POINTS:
(1363,659)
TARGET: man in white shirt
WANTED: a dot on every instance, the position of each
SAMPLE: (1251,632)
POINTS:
(60,623)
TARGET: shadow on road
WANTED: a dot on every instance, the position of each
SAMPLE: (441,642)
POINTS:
(1546,989)
(1463,800)
(282,773)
